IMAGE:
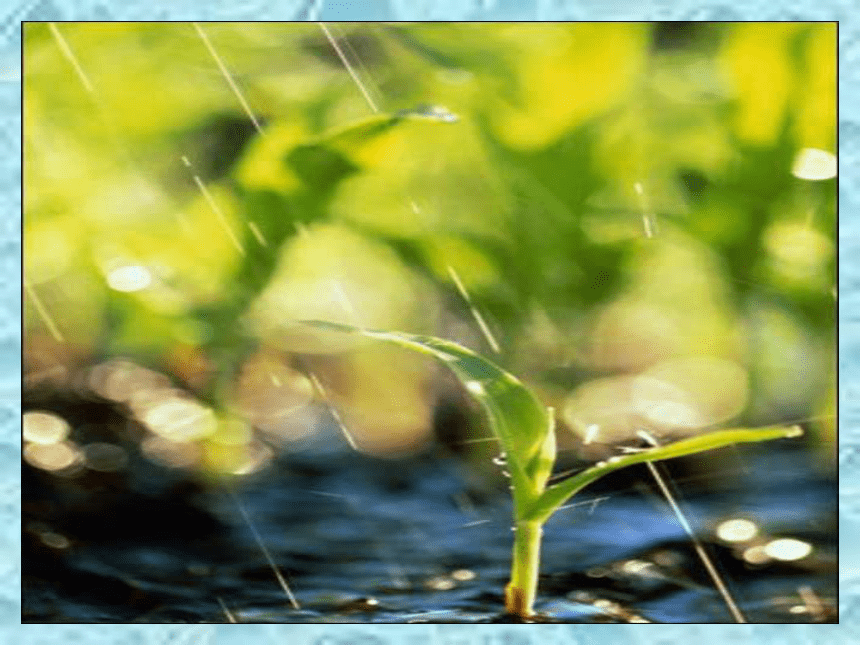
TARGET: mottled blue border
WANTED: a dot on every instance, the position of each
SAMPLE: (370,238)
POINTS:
(10,298)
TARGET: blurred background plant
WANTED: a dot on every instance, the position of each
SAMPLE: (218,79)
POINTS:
(637,219)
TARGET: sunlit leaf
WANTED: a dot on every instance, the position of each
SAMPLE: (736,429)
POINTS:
(568,73)
(756,62)
(411,185)
(283,159)
(446,253)
(816,119)
(262,166)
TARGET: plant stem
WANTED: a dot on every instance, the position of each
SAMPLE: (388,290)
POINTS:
(522,589)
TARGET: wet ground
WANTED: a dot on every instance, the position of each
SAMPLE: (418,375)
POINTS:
(364,540)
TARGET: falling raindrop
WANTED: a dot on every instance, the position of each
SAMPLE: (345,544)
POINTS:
(362,87)
(648,219)
(433,112)
(228,77)
(43,312)
(479,318)
(213,205)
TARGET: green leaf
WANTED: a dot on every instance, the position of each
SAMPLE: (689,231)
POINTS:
(325,161)
(522,425)
(348,138)
(558,494)
(321,168)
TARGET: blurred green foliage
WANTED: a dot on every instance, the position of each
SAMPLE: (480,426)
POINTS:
(609,196)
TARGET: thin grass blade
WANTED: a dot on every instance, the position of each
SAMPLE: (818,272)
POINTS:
(558,494)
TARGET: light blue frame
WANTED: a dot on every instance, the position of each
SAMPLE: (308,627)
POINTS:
(848,631)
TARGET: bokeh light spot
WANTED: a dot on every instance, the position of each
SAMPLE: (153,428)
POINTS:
(788,549)
(180,419)
(53,457)
(105,457)
(129,278)
(737,530)
(814,165)
(44,428)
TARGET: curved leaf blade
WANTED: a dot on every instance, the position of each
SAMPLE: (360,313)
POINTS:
(523,426)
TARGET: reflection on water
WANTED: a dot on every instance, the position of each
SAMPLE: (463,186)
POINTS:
(418,540)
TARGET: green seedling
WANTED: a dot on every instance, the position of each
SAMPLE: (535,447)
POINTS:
(525,429)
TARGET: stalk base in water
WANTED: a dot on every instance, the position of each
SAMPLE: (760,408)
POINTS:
(521,591)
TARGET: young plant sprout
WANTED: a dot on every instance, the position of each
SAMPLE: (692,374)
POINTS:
(525,429)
